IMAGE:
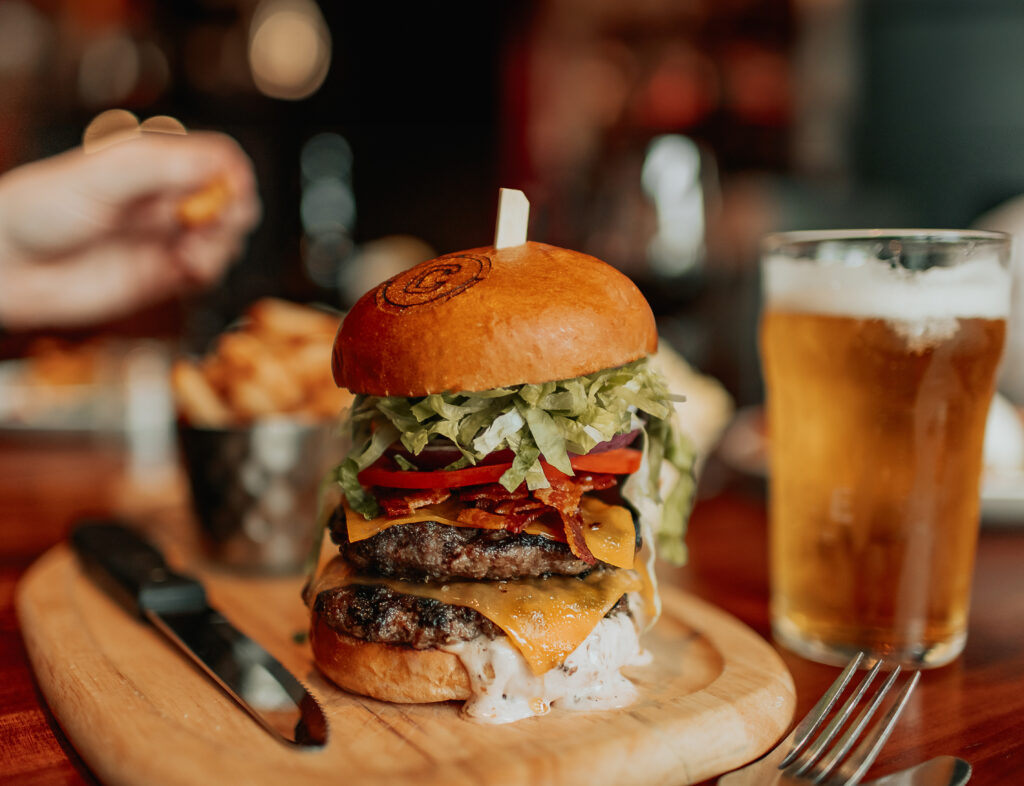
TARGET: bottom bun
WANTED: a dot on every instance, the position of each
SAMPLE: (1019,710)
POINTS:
(386,671)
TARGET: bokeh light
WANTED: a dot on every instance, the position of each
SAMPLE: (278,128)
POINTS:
(671,179)
(24,35)
(109,70)
(289,48)
(327,207)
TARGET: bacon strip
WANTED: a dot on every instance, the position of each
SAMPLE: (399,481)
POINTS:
(478,517)
(519,519)
(564,496)
(492,491)
(594,481)
(403,504)
(574,535)
(514,514)
(518,506)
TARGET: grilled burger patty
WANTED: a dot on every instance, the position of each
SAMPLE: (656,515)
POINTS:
(379,614)
(439,552)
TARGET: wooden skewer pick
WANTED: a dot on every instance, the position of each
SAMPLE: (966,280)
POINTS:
(513,216)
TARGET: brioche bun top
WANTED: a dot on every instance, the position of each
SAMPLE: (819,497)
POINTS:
(485,318)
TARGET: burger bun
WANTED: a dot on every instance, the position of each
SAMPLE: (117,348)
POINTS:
(486,318)
(386,671)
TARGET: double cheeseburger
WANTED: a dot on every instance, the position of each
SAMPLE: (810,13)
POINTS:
(504,488)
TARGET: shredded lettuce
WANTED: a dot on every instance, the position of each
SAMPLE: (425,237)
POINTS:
(544,421)
(663,494)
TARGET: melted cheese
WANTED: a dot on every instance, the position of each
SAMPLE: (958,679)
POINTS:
(505,688)
(609,532)
(544,618)
(644,567)
(608,529)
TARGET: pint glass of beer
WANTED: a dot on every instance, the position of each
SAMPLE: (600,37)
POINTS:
(880,350)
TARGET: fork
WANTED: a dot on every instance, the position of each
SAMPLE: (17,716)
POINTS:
(805,758)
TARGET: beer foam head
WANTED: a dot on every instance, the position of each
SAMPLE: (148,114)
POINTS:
(873,289)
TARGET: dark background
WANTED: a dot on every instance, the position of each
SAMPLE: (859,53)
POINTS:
(806,113)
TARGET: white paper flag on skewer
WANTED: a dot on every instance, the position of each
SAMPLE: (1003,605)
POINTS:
(513,216)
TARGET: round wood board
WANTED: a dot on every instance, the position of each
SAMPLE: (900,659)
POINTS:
(716,696)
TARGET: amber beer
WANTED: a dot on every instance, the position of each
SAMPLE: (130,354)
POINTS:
(879,382)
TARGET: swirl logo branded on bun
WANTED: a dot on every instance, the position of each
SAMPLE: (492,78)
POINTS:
(432,282)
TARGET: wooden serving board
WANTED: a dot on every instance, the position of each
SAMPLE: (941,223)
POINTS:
(716,696)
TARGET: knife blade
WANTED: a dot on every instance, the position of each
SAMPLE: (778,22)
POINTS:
(940,771)
(134,571)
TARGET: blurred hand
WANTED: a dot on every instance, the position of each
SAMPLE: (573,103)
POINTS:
(88,237)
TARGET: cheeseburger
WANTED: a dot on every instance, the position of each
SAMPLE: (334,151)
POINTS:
(505,486)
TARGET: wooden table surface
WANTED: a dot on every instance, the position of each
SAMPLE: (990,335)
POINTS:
(973,708)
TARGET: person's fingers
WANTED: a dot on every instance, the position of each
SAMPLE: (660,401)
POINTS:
(153,163)
(106,281)
(75,198)
(203,253)
(159,215)
(204,256)
(230,163)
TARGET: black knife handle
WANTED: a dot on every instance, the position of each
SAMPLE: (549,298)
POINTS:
(135,570)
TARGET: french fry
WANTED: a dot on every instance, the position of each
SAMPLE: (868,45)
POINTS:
(311,364)
(327,403)
(251,401)
(277,363)
(281,387)
(240,350)
(203,206)
(218,372)
(197,400)
(281,318)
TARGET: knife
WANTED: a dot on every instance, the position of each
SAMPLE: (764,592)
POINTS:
(940,771)
(134,571)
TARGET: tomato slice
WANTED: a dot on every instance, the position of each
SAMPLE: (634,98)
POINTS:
(621,461)
(450,479)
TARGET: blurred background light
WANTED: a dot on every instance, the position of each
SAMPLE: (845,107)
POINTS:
(671,177)
(327,205)
(109,70)
(216,59)
(323,256)
(380,259)
(681,91)
(289,48)
(326,155)
(154,74)
(24,37)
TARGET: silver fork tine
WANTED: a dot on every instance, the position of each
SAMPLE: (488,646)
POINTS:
(864,755)
(813,719)
(828,763)
(811,755)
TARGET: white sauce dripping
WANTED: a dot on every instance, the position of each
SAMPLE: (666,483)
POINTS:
(505,689)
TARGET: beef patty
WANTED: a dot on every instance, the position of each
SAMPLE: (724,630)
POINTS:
(379,614)
(439,552)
